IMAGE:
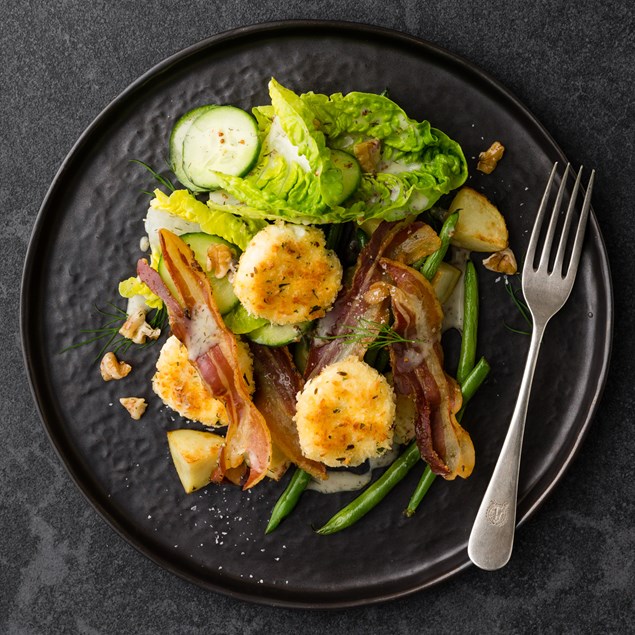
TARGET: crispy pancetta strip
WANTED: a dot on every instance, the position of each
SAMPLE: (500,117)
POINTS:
(354,306)
(417,367)
(277,384)
(212,348)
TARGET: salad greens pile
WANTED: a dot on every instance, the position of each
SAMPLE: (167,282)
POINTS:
(296,179)
(298,174)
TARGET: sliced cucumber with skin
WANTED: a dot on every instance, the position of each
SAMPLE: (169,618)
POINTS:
(175,146)
(348,165)
(222,289)
(240,322)
(221,139)
(279,334)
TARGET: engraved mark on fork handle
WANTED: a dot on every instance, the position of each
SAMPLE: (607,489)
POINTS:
(496,513)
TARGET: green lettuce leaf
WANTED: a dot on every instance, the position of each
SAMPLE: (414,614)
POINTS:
(133,286)
(264,116)
(217,221)
(358,116)
(418,163)
(295,179)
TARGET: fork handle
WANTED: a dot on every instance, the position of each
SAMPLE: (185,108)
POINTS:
(492,538)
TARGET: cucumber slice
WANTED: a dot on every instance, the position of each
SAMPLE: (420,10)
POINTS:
(350,169)
(279,334)
(222,289)
(175,146)
(239,321)
(221,139)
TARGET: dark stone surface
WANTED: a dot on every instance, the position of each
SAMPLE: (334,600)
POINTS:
(62,569)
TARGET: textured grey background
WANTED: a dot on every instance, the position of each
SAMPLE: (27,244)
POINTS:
(62,569)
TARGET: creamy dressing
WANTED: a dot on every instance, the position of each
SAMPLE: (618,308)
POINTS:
(278,141)
(157,219)
(222,198)
(418,201)
(394,167)
(348,481)
(384,460)
(136,303)
(453,307)
(340,482)
(203,332)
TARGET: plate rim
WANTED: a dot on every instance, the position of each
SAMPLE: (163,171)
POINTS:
(328,27)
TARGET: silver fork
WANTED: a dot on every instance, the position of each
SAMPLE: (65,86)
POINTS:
(545,291)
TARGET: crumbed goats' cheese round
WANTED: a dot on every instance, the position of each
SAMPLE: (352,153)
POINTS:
(287,275)
(345,415)
(180,387)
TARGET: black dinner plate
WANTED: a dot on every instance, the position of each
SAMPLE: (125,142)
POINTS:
(86,239)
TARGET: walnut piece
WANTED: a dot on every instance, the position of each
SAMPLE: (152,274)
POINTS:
(136,328)
(219,259)
(368,154)
(502,262)
(111,368)
(135,406)
(488,160)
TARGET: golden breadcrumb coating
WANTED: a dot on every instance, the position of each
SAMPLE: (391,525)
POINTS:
(179,386)
(346,414)
(287,275)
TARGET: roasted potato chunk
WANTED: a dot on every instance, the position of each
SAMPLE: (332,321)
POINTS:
(195,454)
(480,227)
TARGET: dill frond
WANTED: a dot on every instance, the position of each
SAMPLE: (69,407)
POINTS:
(373,335)
(521,306)
(162,180)
(108,332)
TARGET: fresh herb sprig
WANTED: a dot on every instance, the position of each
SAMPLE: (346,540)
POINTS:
(109,331)
(374,334)
(520,304)
(162,180)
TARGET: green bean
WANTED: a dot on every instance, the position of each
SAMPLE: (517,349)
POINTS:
(334,236)
(371,496)
(289,498)
(471,384)
(383,359)
(362,238)
(433,261)
(420,491)
(370,357)
(467,355)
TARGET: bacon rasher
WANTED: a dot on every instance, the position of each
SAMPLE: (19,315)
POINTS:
(212,348)
(417,367)
(277,384)
(352,306)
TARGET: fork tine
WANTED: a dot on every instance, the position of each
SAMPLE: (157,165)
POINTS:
(579,235)
(533,240)
(558,265)
(551,230)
